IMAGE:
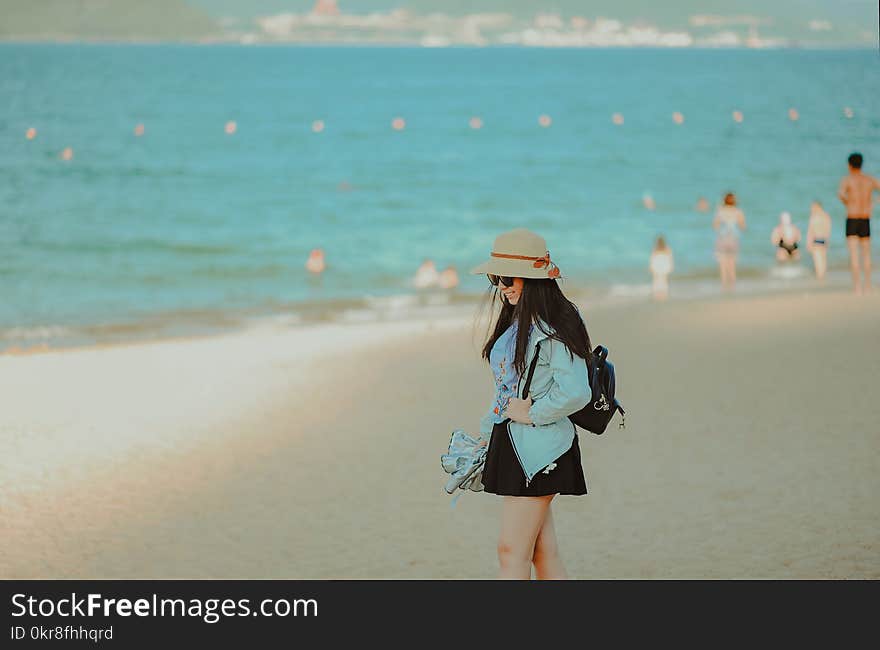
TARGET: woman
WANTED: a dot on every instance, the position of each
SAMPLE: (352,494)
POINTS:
(533,452)
(729,220)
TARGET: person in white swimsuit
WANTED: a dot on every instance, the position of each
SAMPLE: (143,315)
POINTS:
(661,266)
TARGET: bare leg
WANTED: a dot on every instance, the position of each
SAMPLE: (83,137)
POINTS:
(660,287)
(820,261)
(548,564)
(852,243)
(732,263)
(866,260)
(521,521)
(724,267)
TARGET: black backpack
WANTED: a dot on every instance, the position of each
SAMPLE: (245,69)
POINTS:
(596,415)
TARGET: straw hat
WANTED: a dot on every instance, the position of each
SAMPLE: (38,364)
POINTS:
(519,253)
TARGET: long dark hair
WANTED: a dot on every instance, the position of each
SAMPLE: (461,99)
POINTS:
(540,299)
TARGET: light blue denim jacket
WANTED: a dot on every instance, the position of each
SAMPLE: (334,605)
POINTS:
(560,387)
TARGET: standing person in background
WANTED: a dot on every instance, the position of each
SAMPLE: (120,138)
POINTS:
(818,238)
(785,237)
(729,220)
(661,266)
(855,193)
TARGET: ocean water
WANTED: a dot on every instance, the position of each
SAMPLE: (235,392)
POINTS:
(190,225)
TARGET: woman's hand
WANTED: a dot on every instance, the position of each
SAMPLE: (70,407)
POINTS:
(518,409)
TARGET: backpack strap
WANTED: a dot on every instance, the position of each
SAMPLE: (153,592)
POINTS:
(531,371)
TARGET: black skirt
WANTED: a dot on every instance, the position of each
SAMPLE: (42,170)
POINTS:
(503,474)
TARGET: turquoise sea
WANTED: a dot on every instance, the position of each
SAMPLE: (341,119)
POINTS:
(190,226)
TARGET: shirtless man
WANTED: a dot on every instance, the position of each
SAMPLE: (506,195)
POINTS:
(855,193)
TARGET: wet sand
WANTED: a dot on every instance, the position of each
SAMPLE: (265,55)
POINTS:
(752,450)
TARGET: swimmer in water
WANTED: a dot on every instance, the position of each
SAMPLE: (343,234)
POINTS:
(448,278)
(316,264)
(703,204)
(426,275)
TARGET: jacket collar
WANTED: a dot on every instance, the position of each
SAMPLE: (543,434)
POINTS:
(539,333)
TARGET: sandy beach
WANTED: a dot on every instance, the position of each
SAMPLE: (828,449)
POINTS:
(752,450)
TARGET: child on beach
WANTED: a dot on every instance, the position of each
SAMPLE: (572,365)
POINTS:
(818,237)
(661,266)
(855,193)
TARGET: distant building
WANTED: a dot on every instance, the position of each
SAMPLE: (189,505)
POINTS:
(325,8)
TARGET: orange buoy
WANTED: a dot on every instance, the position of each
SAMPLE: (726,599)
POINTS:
(678,118)
(398,124)
(31,133)
(66,154)
(737,117)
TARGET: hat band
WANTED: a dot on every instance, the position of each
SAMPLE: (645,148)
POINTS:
(539,262)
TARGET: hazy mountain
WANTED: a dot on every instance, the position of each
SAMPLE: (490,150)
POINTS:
(104,20)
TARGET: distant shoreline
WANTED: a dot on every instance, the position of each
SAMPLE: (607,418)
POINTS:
(407,307)
(416,46)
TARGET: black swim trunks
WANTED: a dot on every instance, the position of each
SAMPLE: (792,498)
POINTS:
(858,227)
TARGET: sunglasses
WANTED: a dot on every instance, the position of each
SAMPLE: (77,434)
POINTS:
(504,279)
